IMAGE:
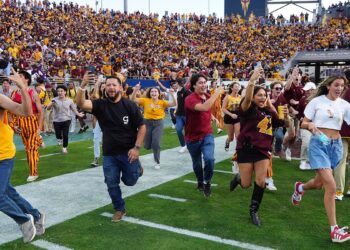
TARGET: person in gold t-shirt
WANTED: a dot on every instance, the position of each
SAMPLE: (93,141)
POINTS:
(154,113)
(30,220)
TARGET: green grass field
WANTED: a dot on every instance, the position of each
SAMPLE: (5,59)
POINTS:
(224,214)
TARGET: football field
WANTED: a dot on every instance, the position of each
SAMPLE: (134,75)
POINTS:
(164,209)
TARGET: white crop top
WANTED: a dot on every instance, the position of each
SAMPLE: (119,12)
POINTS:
(325,113)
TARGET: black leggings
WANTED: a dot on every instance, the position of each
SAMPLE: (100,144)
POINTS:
(61,130)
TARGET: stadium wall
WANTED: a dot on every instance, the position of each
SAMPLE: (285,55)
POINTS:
(245,7)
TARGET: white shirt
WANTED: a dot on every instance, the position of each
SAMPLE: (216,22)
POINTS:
(326,113)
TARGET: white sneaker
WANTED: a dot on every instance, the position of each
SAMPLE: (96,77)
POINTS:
(219,130)
(157,166)
(288,154)
(270,185)
(173,126)
(304,165)
(32,178)
(339,195)
(28,229)
(183,149)
(235,168)
(64,150)
(42,145)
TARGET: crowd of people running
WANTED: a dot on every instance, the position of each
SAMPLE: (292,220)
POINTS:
(264,120)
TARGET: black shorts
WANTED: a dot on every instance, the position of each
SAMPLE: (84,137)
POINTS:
(250,155)
(229,120)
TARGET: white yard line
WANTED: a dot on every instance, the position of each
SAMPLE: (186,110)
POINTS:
(223,171)
(191,233)
(165,197)
(42,156)
(48,245)
(195,182)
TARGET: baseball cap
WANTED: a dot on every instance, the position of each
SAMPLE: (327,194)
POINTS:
(309,85)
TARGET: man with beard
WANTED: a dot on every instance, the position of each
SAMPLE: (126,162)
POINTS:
(123,132)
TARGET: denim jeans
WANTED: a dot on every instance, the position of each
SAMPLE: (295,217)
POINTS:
(118,167)
(278,134)
(180,124)
(203,147)
(11,203)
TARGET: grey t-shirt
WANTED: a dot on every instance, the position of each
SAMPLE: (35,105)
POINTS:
(62,109)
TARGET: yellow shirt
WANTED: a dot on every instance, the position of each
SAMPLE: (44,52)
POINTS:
(71,93)
(7,147)
(233,103)
(153,110)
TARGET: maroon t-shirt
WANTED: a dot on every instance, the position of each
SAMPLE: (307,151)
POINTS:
(295,93)
(301,107)
(280,101)
(198,123)
(256,129)
(345,128)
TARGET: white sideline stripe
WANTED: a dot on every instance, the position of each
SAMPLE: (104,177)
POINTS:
(190,181)
(191,233)
(49,246)
(165,197)
(42,156)
(223,171)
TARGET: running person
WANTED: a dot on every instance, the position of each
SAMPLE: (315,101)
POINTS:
(324,116)
(254,143)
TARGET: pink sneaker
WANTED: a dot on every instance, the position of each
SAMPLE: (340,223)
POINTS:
(296,197)
(340,235)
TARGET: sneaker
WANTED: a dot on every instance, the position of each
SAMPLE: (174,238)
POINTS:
(94,163)
(219,131)
(157,166)
(348,192)
(32,178)
(81,131)
(40,225)
(64,151)
(340,235)
(270,185)
(118,216)
(200,186)
(28,229)
(183,149)
(227,146)
(43,145)
(173,126)
(235,168)
(297,196)
(304,165)
(339,195)
(86,127)
(288,154)
(207,189)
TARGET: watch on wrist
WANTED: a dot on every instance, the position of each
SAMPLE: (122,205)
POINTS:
(137,147)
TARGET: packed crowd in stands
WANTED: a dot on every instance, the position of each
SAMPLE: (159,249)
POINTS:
(62,41)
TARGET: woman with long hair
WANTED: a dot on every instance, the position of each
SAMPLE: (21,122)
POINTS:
(154,112)
(254,143)
(324,116)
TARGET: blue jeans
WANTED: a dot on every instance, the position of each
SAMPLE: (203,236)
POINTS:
(114,167)
(203,147)
(278,134)
(11,203)
(180,124)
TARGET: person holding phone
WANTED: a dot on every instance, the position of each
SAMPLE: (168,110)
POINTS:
(324,116)
(62,108)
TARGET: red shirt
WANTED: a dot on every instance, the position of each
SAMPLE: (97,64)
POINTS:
(198,123)
(17,97)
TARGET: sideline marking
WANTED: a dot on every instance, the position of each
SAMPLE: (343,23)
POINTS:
(223,171)
(42,156)
(194,182)
(49,246)
(165,197)
(191,233)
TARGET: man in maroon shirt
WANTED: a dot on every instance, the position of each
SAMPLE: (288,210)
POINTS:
(198,132)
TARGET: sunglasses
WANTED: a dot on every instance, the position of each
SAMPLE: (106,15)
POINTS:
(277,88)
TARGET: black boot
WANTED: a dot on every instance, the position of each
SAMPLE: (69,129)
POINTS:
(235,182)
(257,196)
